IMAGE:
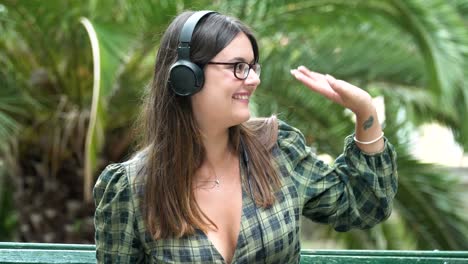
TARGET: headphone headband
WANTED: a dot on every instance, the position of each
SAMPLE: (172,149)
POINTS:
(190,24)
(183,50)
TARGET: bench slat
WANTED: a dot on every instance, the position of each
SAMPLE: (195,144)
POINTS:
(383,253)
(383,257)
(27,256)
(19,245)
(378,260)
(42,253)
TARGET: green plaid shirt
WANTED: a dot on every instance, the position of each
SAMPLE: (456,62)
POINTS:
(356,192)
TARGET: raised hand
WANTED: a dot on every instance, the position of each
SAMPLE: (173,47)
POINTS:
(341,92)
(368,134)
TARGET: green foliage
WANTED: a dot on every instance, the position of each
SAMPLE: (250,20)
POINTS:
(8,217)
(382,47)
(56,94)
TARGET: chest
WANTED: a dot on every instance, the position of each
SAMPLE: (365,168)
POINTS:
(271,233)
(222,205)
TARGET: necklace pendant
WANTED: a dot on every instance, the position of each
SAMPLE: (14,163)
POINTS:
(217,182)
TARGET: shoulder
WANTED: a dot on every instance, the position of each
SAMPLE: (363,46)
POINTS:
(289,136)
(117,178)
(117,218)
(264,129)
(291,145)
(273,132)
(113,176)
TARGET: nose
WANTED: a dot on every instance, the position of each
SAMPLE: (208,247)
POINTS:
(252,79)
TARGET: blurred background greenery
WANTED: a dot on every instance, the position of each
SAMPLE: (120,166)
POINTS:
(72,74)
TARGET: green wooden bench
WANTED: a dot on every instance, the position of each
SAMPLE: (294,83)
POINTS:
(84,254)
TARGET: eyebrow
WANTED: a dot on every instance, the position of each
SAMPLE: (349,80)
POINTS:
(236,59)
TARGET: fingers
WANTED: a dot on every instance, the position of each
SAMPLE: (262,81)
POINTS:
(337,85)
(332,82)
(309,73)
(315,82)
(311,78)
(311,82)
(339,91)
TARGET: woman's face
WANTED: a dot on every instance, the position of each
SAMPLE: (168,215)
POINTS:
(224,100)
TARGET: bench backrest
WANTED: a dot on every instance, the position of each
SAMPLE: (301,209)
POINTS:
(383,257)
(85,254)
(46,253)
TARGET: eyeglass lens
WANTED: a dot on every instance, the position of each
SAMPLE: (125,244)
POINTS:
(242,69)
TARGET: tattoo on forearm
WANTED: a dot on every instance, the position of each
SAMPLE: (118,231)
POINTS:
(368,123)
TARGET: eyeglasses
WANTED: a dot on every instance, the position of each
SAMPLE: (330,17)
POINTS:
(241,69)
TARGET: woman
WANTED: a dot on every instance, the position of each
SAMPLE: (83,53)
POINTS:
(212,185)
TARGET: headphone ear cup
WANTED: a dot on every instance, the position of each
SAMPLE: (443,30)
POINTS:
(185,78)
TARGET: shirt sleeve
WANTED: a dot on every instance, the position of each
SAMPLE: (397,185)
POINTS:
(116,233)
(357,191)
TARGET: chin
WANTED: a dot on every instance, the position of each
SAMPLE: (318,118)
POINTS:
(241,118)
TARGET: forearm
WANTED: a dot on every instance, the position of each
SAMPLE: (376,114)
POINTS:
(368,129)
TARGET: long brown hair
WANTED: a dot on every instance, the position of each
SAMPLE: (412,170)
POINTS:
(172,139)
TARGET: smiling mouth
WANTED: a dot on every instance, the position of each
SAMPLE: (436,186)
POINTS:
(241,97)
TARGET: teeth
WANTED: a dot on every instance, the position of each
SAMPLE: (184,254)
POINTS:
(242,97)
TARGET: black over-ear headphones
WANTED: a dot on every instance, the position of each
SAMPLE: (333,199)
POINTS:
(185,77)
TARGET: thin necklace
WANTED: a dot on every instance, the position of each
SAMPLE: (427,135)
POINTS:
(206,184)
(216,181)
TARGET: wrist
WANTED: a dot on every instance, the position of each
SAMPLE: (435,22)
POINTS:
(369,141)
(365,110)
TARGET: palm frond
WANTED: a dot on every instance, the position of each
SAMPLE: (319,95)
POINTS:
(379,46)
(376,41)
(14,106)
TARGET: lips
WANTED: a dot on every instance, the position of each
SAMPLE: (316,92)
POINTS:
(241,96)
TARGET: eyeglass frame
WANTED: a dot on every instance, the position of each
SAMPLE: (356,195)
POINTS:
(257,68)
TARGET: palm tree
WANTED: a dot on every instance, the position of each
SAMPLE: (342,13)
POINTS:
(47,48)
(378,45)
